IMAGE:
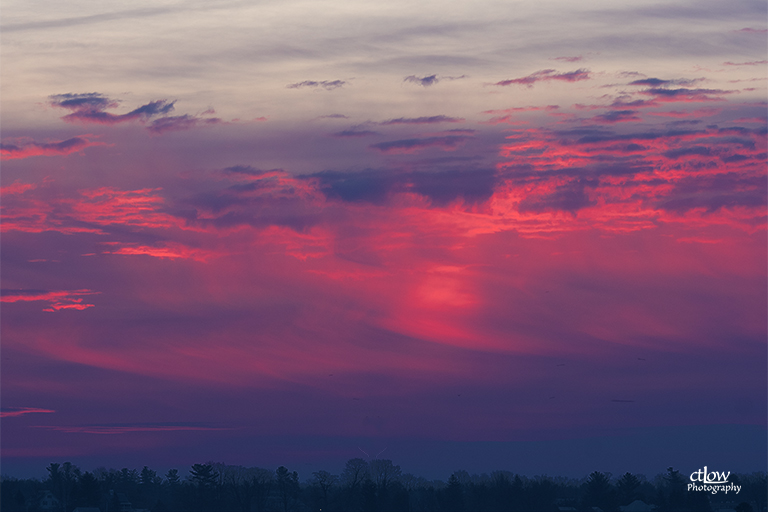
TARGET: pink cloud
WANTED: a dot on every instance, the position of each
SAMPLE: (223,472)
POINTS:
(165,251)
(88,211)
(57,300)
(126,429)
(60,148)
(20,411)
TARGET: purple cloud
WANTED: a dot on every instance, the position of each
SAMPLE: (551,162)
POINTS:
(91,108)
(684,95)
(617,116)
(546,75)
(441,187)
(179,123)
(424,120)
(355,133)
(424,81)
(413,145)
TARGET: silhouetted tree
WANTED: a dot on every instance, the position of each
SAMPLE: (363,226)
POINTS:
(172,477)
(63,478)
(352,478)
(55,480)
(626,489)
(324,481)
(355,472)
(368,490)
(674,490)
(379,487)
(753,488)
(203,475)
(599,491)
(287,485)
(454,495)
(540,494)
(500,490)
(204,478)
(383,472)
(261,482)
(88,491)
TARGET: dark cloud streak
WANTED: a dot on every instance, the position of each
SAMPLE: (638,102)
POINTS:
(412,145)
(325,84)
(546,75)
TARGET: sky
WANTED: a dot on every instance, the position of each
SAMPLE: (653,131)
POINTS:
(478,235)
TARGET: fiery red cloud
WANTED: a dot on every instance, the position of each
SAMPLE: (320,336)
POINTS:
(57,299)
(88,211)
(27,149)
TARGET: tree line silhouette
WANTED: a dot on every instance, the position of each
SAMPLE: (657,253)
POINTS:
(363,486)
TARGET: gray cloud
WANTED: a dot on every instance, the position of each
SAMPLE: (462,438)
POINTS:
(325,84)
(423,120)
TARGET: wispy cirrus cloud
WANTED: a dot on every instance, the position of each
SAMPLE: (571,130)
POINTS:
(658,82)
(167,250)
(325,84)
(27,149)
(749,63)
(355,133)
(10,412)
(128,428)
(448,143)
(57,300)
(506,115)
(546,75)
(616,116)
(423,120)
(179,123)
(575,58)
(662,94)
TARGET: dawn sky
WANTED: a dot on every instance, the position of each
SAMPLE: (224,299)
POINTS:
(477,235)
